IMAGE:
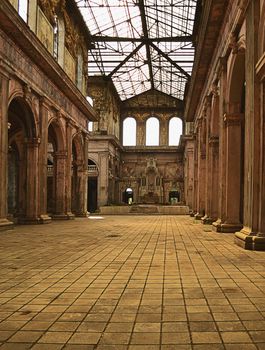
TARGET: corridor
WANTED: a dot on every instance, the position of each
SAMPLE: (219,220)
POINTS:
(129,282)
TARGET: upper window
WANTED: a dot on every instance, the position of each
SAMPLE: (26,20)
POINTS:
(175,131)
(23,9)
(90,126)
(129,132)
(152,132)
(55,38)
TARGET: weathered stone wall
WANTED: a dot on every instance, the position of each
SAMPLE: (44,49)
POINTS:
(39,103)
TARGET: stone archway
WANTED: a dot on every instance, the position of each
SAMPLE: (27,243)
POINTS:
(56,169)
(22,163)
(78,177)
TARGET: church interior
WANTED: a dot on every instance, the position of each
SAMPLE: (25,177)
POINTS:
(140,114)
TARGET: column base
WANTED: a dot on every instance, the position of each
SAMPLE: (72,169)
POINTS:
(249,240)
(29,220)
(206,220)
(198,216)
(45,219)
(82,215)
(5,224)
(67,216)
(218,226)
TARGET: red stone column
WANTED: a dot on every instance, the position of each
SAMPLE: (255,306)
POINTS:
(231,220)
(31,215)
(189,171)
(4,88)
(83,175)
(221,198)
(201,170)
(212,161)
(68,171)
(195,177)
(44,114)
(60,161)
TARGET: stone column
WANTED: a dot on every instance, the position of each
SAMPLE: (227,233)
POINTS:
(189,171)
(84,181)
(252,235)
(208,115)
(163,132)
(195,177)
(60,160)
(217,225)
(212,161)
(32,183)
(44,116)
(261,225)
(103,178)
(4,88)
(231,220)
(140,132)
(201,169)
(68,170)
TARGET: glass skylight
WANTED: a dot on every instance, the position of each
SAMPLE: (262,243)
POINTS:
(141,44)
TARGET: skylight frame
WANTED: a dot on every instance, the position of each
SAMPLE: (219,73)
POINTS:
(118,27)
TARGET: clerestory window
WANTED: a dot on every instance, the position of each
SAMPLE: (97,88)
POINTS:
(129,132)
(175,131)
(152,132)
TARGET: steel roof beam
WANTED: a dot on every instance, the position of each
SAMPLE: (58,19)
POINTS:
(146,37)
(176,39)
(125,60)
(170,60)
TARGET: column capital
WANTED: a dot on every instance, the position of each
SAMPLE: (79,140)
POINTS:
(233,119)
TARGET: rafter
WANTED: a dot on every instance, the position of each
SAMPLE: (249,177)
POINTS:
(170,60)
(126,60)
(146,37)
(105,38)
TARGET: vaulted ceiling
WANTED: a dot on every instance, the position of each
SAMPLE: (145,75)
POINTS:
(141,44)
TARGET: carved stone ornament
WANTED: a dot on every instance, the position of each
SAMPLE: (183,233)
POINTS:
(237,44)
(215,90)
(27,93)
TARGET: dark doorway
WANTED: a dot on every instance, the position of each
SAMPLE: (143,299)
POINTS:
(174,197)
(92,198)
(128,196)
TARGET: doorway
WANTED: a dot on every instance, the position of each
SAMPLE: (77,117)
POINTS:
(92,196)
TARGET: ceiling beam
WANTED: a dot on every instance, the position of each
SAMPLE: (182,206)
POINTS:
(177,39)
(146,37)
(125,60)
(170,60)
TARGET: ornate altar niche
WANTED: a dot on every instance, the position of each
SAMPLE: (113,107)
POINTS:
(151,184)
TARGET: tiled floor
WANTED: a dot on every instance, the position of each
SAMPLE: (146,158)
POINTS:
(136,283)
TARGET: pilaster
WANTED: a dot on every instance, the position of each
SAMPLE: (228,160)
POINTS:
(4,88)
(43,149)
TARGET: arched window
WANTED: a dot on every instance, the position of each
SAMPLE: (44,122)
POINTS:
(55,38)
(129,132)
(152,132)
(174,131)
(23,9)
